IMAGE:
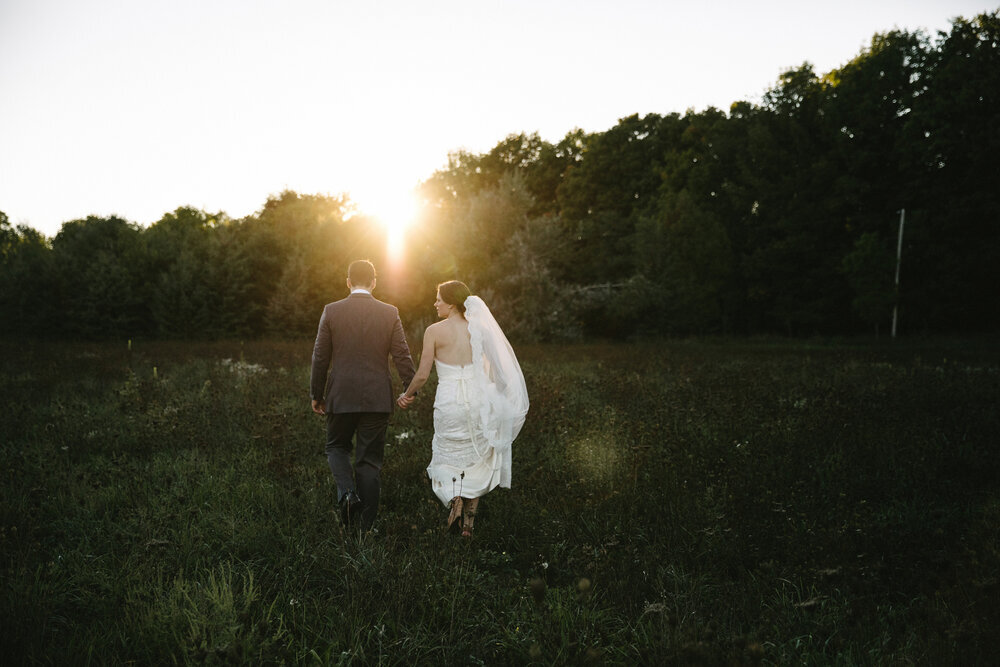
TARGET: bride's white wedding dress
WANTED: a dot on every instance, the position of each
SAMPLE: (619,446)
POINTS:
(478,411)
(462,463)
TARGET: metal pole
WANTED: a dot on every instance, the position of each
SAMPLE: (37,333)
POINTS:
(899,259)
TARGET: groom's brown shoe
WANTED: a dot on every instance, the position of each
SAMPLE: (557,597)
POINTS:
(350,508)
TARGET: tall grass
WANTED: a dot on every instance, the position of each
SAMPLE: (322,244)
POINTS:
(709,502)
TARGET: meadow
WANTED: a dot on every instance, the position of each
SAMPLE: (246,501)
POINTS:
(679,502)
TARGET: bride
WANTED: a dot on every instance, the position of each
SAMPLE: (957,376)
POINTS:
(480,405)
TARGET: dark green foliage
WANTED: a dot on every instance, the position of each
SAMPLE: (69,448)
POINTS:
(687,255)
(744,223)
(952,263)
(672,503)
(100,286)
(26,280)
(202,276)
(869,270)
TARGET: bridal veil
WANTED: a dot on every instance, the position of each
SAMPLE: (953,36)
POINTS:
(499,382)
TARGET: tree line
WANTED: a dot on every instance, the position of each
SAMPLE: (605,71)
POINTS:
(777,217)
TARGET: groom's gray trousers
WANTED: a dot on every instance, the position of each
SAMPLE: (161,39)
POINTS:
(368,429)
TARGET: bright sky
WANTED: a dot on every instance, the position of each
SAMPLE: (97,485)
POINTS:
(136,107)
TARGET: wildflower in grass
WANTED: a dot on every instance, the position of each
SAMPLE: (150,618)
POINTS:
(653,608)
(242,369)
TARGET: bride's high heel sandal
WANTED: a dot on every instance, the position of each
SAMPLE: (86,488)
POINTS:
(455,516)
(469,516)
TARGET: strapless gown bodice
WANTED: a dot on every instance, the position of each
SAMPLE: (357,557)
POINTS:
(450,372)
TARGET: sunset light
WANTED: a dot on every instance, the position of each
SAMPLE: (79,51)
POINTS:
(396,212)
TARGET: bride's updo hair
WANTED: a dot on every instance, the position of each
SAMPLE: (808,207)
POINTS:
(454,293)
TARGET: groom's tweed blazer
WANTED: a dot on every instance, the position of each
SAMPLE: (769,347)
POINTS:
(355,339)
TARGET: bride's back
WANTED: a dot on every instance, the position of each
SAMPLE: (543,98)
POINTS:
(452,343)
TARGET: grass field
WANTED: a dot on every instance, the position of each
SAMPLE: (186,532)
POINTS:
(712,502)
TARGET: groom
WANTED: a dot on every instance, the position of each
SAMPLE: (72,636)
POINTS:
(351,386)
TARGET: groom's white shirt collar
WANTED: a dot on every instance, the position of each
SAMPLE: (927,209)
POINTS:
(360,289)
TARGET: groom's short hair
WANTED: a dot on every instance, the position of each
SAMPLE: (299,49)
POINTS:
(361,273)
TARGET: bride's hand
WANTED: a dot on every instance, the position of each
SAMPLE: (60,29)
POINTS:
(403,401)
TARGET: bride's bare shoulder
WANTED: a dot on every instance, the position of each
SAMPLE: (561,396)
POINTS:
(434,329)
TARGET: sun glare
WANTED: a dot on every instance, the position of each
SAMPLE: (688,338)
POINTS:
(396,214)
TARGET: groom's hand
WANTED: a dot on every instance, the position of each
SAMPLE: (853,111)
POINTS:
(318,407)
